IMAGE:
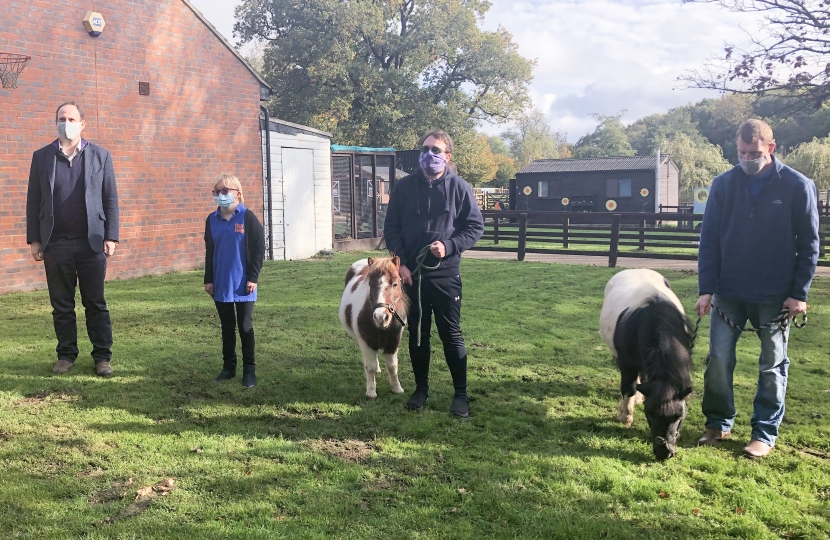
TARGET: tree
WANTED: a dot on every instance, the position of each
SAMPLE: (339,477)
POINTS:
(718,120)
(789,55)
(383,73)
(507,166)
(476,162)
(647,134)
(699,162)
(531,139)
(608,139)
(813,160)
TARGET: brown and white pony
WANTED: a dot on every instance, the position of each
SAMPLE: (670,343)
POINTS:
(373,311)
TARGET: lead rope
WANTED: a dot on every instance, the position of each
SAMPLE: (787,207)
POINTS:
(782,321)
(419,262)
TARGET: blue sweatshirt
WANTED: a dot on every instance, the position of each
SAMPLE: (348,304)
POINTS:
(421,212)
(759,250)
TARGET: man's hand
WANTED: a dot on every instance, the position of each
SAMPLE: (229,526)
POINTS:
(250,287)
(209,288)
(438,249)
(704,305)
(795,306)
(406,275)
(37,253)
(109,248)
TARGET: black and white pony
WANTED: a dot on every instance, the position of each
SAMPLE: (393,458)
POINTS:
(644,325)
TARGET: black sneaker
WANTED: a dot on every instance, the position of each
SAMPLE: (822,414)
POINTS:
(460,406)
(417,400)
(225,374)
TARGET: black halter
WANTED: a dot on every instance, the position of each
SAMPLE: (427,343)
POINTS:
(391,308)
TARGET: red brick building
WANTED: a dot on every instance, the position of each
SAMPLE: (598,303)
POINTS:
(201,117)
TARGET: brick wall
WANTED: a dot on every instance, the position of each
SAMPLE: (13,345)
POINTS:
(200,119)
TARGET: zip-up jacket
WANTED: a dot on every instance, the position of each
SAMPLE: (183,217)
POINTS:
(420,213)
(760,251)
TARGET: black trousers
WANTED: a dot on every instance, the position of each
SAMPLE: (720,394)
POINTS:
(244,321)
(441,298)
(70,262)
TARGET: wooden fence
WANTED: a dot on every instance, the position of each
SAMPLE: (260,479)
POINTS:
(666,235)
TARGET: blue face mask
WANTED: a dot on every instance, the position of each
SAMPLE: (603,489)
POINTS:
(225,201)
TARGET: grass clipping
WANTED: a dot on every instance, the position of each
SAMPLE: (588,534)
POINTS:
(143,497)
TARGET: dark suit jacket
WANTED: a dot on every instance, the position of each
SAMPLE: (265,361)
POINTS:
(101,196)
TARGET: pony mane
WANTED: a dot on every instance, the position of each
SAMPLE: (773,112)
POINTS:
(664,336)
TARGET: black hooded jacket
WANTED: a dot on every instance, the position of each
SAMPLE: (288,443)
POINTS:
(420,213)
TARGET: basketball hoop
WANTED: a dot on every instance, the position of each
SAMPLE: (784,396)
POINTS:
(10,67)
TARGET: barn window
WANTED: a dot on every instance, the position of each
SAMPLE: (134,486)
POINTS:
(543,189)
(615,187)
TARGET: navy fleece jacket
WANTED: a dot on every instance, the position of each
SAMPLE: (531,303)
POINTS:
(420,213)
(762,250)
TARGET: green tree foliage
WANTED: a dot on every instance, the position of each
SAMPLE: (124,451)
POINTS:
(475,161)
(531,138)
(507,166)
(608,139)
(718,120)
(383,73)
(647,134)
(698,160)
(813,160)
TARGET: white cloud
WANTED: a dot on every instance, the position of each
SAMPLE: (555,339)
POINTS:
(597,55)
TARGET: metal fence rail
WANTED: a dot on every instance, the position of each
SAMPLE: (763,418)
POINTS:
(639,230)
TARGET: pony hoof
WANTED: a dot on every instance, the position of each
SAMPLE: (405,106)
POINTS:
(625,419)
(397,390)
(372,396)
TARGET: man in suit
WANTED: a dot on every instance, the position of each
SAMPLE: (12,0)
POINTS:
(72,226)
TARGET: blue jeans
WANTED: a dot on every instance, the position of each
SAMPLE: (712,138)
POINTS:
(718,396)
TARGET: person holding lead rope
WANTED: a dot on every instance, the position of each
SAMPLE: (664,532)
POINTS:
(758,251)
(432,218)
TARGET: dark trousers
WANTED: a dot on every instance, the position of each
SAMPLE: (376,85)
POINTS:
(441,298)
(244,321)
(70,262)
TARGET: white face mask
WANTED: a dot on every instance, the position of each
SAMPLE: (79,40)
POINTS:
(69,130)
(752,166)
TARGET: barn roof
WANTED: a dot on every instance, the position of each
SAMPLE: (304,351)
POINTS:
(616,163)
(230,47)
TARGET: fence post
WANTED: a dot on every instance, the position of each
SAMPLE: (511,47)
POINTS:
(822,239)
(615,241)
(522,236)
(496,230)
(565,224)
(642,235)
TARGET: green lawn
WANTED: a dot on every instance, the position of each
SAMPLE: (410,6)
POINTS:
(306,455)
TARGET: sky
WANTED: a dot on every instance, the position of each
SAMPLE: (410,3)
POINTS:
(597,56)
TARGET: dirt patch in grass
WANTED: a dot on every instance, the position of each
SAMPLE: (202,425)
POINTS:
(48,396)
(117,491)
(349,450)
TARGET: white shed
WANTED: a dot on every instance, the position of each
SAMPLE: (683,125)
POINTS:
(298,218)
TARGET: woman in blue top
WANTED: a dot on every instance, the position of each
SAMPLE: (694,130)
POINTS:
(234,252)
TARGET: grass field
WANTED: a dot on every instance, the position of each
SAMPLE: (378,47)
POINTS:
(306,455)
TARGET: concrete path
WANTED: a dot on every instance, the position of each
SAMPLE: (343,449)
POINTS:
(600,260)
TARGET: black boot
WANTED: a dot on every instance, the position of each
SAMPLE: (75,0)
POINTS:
(460,406)
(226,373)
(417,400)
(248,376)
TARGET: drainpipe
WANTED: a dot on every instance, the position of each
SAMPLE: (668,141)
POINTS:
(268,181)
(657,184)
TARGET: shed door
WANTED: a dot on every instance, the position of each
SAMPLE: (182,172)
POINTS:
(298,196)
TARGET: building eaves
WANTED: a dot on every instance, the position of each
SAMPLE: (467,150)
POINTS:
(227,44)
(616,163)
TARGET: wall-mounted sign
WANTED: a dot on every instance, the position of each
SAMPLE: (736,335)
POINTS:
(644,192)
(527,190)
(610,205)
(566,201)
(701,196)
(94,23)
